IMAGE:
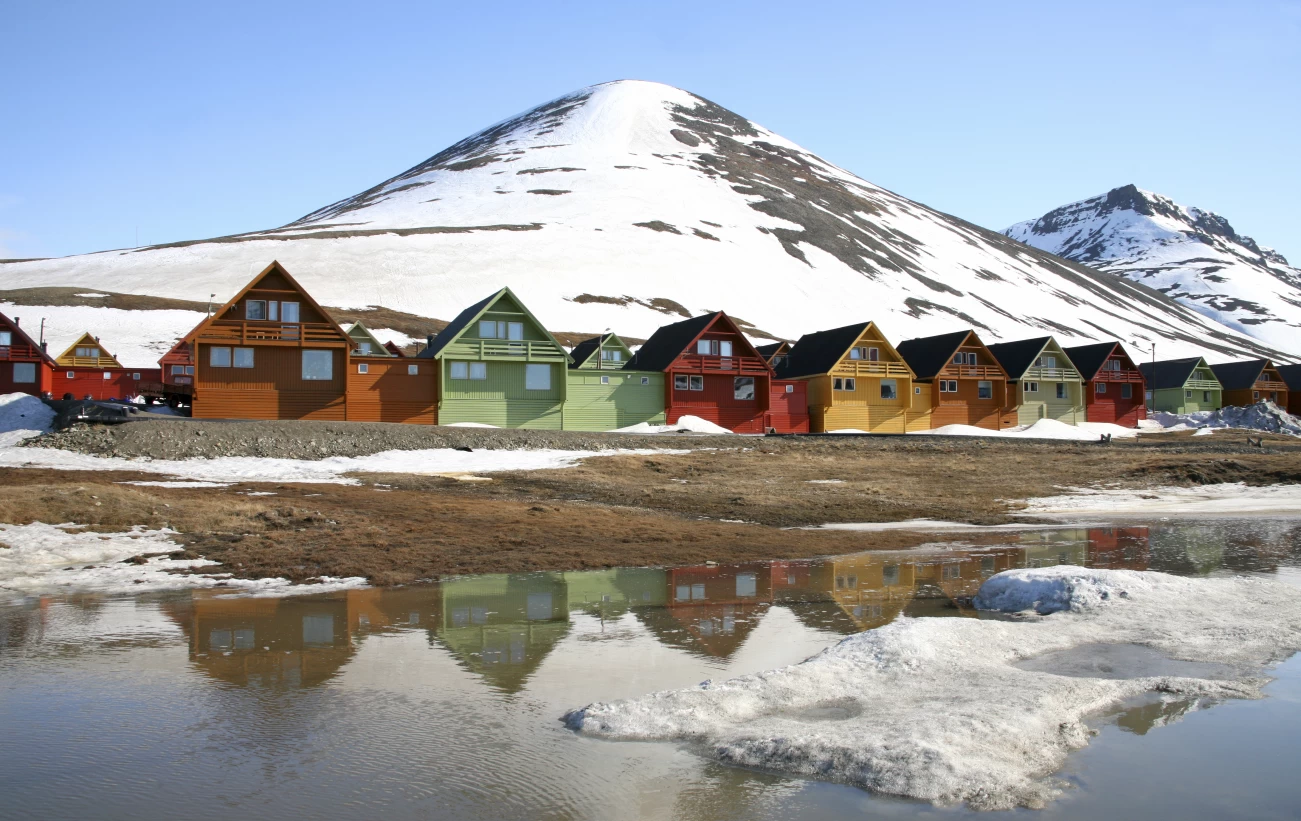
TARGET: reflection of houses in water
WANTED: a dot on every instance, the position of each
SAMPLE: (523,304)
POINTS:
(710,610)
(608,594)
(1118,547)
(1046,548)
(501,627)
(1187,549)
(290,642)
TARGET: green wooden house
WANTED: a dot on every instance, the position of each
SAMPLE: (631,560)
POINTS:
(498,365)
(604,396)
(1181,385)
(1042,379)
(364,342)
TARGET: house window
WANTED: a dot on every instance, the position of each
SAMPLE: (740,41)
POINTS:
(1206,396)
(1046,362)
(88,353)
(71,375)
(1061,390)
(255,309)
(837,384)
(273,310)
(790,389)
(362,367)
(24,372)
(680,382)
(1100,387)
(189,370)
(108,375)
(948,386)
(219,357)
(413,370)
(645,380)
(865,353)
(889,389)
(959,358)
(1126,391)
(743,388)
(747,585)
(493,329)
(1030,387)
(714,347)
(846,384)
(479,371)
(288,311)
(1188,394)
(6,339)
(318,366)
(611,355)
(605,380)
(890,575)
(697,383)
(178,370)
(364,348)
(984,390)
(460,370)
(243,357)
(1255,394)
(537,377)
(917,391)
(135,376)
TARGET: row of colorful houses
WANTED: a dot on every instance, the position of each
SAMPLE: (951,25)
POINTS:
(272,352)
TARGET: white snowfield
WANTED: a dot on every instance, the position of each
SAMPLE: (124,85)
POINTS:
(1264,416)
(136,338)
(685,424)
(1226,499)
(41,558)
(1195,256)
(938,709)
(1043,429)
(692,205)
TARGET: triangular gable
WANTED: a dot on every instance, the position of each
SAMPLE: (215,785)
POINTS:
(104,359)
(671,341)
(1089,359)
(21,336)
(1171,373)
(180,353)
(773,350)
(392,347)
(929,355)
(466,319)
(1240,376)
(360,333)
(822,351)
(274,267)
(1017,357)
(584,351)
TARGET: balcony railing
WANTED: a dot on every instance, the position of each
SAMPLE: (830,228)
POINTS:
(860,367)
(237,331)
(523,350)
(713,364)
(85,362)
(21,352)
(1269,386)
(1051,374)
(1125,375)
(972,372)
(1202,385)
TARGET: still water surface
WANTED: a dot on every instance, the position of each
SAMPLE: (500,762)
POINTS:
(442,701)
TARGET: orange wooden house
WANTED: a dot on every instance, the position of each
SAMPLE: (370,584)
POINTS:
(384,386)
(959,380)
(1291,375)
(87,371)
(25,366)
(1251,381)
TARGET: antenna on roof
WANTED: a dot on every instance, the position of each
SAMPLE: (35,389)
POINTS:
(211,297)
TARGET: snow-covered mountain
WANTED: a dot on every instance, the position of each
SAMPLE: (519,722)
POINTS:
(631,204)
(1191,255)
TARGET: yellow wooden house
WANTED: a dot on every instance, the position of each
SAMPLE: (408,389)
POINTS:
(86,352)
(856,380)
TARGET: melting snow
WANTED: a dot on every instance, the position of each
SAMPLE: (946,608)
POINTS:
(685,424)
(1043,429)
(939,710)
(1204,500)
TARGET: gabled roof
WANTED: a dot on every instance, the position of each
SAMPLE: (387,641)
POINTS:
(929,355)
(1088,359)
(821,351)
(586,349)
(1169,373)
(182,349)
(88,340)
(774,349)
(252,283)
(360,333)
(468,317)
(671,341)
(1238,376)
(22,335)
(1291,376)
(1017,357)
(392,347)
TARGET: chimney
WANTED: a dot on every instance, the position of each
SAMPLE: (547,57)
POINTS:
(429,341)
(18,320)
(45,346)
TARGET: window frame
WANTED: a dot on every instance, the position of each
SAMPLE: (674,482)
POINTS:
(1126,391)
(981,386)
(681,382)
(478,371)
(215,354)
(1031,387)
(363,367)
(532,368)
(29,367)
(697,382)
(1063,392)
(413,369)
(893,385)
(235,354)
(248,310)
(316,355)
(1100,388)
(739,384)
(458,365)
(285,312)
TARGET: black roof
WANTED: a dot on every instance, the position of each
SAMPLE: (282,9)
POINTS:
(1238,376)
(583,350)
(454,328)
(1173,373)
(1088,359)
(668,342)
(929,355)
(768,351)
(1291,376)
(1017,357)
(17,329)
(819,352)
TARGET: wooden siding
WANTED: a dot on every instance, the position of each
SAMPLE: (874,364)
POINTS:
(1044,404)
(1110,406)
(717,403)
(1177,400)
(273,389)
(100,383)
(918,417)
(520,413)
(44,377)
(621,401)
(387,392)
(788,407)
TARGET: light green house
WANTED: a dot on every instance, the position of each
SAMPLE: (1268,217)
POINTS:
(364,342)
(497,365)
(1181,386)
(603,396)
(1045,382)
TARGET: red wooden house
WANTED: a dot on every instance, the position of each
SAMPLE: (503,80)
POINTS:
(1113,385)
(25,367)
(87,371)
(712,371)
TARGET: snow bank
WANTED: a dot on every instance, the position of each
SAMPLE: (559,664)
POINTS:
(22,417)
(1229,498)
(431,462)
(41,558)
(1043,429)
(938,709)
(1264,416)
(685,424)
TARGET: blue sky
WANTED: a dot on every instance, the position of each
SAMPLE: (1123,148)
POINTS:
(180,121)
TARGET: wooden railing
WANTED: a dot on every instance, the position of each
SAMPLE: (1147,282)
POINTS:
(1051,374)
(86,362)
(237,331)
(732,364)
(1201,385)
(1126,375)
(861,367)
(1262,385)
(523,350)
(23,351)
(972,371)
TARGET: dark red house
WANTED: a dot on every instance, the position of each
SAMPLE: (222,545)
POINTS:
(1113,384)
(25,367)
(712,371)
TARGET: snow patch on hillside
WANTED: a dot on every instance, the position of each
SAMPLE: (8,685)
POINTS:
(137,338)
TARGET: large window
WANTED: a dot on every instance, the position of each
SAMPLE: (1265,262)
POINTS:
(844,384)
(866,354)
(6,339)
(1046,361)
(460,370)
(948,386)
(611,355)
(243,357)
(537,377)
(24,372)
(255,309)
(479,371)
(492,329)
(219,357)
(318,366)
(683,382)
(364,348)
(1126,391)
(743,388)
(1030,387)
(889,389)
(288,311)
(984,390)
(88,353)
(714,347)
(1061,390)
